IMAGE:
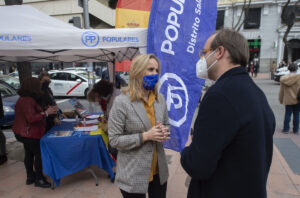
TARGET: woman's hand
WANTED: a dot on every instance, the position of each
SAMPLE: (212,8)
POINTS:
(165,131)
(57,121)
(51,110)
(154,134)
(158,133)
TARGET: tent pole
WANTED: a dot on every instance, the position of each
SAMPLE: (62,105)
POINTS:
(91,77)
(114,71)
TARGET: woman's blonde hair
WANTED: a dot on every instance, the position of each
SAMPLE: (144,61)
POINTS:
(136,74)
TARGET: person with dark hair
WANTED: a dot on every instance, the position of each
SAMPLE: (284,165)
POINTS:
(288,92)
(282,64)
(232,145)
(29,127)
(104,93)
(256,68)
(252,68)
(48,100)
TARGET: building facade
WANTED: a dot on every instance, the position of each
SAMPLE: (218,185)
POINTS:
(101,15)
(262,28)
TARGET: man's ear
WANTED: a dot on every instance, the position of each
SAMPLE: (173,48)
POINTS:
(220,52)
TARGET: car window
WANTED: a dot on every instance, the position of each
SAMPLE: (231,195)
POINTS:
(73,77)
(85,75)
(59,76)
(6,91)
(14,82)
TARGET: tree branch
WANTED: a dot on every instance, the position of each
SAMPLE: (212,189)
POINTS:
(243,10)
(232,8)
(245,16)
(284,8)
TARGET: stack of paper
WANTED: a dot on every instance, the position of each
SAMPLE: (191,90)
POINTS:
(90,128)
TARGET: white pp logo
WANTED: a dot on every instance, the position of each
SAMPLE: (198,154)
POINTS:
(175,85)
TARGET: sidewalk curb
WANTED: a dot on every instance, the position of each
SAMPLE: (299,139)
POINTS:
(295,179)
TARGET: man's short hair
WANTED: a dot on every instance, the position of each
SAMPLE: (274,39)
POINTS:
(292,67)
(234,43)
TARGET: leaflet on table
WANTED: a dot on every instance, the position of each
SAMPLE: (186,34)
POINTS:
(68,120)
(90,128)
(93,116)
(90,122)
(80,133)
(79,108)
(61,134)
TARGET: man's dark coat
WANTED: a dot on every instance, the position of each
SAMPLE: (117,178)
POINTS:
(231,151)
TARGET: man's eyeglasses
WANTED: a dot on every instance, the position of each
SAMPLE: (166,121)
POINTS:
(203,52)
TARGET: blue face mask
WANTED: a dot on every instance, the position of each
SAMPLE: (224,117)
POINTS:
(150,81)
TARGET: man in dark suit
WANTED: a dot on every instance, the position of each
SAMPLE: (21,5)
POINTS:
(231,150)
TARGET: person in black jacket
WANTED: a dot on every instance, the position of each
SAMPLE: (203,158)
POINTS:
(48,100)
(3,154)
(231,150)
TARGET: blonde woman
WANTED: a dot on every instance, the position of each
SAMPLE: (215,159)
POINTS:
(137,126)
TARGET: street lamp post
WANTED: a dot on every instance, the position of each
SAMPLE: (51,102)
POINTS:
(86,17)
(91,77)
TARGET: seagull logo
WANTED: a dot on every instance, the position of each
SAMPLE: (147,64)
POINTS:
(176,98)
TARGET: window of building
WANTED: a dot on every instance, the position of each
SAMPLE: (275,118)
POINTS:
(253,18)
(292,13)
(220,19)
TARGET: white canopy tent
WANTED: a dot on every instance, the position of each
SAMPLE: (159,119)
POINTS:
(28,35)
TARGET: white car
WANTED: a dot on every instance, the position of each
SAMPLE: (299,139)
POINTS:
(82,69)
(15,74)
(284,71)
(69,83)
(12,81)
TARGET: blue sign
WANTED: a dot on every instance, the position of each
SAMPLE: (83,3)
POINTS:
(177,31)
(113,39)
(90,39)
(15,38)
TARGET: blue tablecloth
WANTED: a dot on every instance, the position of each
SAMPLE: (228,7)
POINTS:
(62,156)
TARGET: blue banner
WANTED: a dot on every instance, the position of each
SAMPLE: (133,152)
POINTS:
(177,31)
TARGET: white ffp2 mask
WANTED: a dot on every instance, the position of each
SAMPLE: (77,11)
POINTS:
(201,67)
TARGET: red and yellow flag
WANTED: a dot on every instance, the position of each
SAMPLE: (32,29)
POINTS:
(133,13)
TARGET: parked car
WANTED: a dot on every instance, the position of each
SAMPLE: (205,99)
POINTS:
(82,69)
(284,71)
(15,74)
(12,81)
(125,76)
(69,83)
(9,99)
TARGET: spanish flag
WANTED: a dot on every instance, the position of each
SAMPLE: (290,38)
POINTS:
(133,13)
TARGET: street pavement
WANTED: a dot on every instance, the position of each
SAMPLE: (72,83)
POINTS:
(283,181)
